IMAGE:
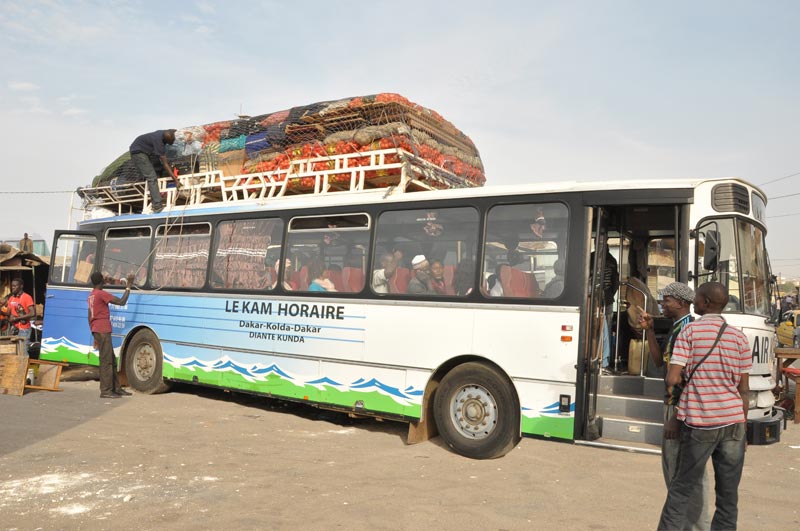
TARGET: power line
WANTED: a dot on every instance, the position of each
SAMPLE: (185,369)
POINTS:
(784,215)
(779,179)
(782,196)
(40,192)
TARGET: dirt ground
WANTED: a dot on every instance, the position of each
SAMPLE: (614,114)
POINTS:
(204,459)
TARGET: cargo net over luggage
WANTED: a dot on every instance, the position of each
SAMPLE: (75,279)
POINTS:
(349,144)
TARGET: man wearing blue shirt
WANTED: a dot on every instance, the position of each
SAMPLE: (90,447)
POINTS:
(152,145)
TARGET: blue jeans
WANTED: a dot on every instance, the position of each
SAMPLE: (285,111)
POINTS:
(25,333)
(145,167)
(697,505)
(725,446)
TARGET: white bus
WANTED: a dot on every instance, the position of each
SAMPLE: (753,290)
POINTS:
(498,333)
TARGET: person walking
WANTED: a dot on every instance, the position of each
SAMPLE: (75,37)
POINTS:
(100,325)
(712,409)
(676,305)
(153,145)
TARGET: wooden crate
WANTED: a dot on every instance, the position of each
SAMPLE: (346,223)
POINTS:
(48,376)
(12,345)
(13,370)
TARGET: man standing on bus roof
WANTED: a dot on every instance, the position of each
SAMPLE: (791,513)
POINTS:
(676,305)
(712,407)
(26,244)
(20,311)
(100,325)
(153,145)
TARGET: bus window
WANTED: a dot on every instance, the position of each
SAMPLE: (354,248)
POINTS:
(660,264)
(426,252)
(126,252)
(245,253)
(74,259)
(754,268)
(525,251)
(716,259)
(181,255)
(327,253)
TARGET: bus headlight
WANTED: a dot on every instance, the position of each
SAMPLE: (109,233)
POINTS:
(752,400)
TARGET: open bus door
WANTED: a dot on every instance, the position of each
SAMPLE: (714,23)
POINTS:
(74,257)
(595,325)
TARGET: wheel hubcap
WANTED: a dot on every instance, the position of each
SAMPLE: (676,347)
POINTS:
(474,412)
(144,362)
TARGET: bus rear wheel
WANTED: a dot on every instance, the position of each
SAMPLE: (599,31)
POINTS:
(143,364)
(476,412)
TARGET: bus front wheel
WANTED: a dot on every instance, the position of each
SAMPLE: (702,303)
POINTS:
(143,363)
(476,411)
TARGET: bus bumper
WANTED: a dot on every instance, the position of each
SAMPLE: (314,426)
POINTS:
(765,430)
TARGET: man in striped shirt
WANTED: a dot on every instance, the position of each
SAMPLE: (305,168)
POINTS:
(676,304)
(713,409)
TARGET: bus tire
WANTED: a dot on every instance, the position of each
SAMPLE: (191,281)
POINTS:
(476,411)
(143,364)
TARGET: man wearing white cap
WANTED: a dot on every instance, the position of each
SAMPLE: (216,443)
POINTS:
(676,305)
(421,283)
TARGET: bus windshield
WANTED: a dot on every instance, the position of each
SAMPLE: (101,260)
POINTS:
(733,252)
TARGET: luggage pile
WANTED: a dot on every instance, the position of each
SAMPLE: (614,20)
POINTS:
(315,133)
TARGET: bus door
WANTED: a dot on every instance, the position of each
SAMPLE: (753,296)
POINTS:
(597,337)
(73,258)
(72,262)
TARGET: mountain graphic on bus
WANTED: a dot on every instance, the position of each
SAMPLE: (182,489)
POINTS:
(50,345)
(260,373)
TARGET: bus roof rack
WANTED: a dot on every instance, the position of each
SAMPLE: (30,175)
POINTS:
(349,172)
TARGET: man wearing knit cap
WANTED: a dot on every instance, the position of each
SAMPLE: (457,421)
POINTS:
(421,283)
(676,305)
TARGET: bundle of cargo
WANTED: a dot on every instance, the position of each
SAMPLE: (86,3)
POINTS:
(332,136)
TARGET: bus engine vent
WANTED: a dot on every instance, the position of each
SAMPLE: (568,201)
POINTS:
(730,197)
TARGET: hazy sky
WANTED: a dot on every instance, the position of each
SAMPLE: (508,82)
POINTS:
(584,90)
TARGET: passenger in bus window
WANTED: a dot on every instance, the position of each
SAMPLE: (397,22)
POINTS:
(288,284)
(319,277)
(421,283)
(556,285)
(463,277)
(437,278)
(539,223)
(381,277)
(398,256)
(494,282)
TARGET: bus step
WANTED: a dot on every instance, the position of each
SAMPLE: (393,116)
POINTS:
(632,430)
(631,385)
(623,446)
(635,407)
